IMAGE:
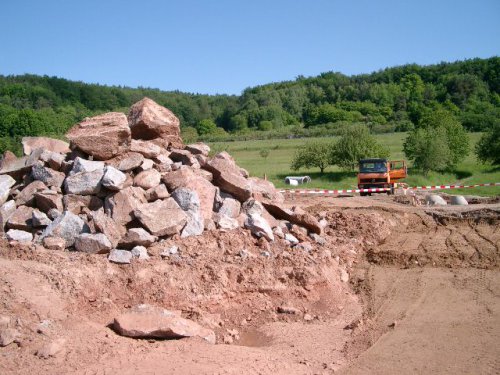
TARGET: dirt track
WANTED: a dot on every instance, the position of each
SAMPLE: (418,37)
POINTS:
(423,297)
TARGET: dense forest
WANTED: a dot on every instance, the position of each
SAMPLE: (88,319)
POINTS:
(393,99)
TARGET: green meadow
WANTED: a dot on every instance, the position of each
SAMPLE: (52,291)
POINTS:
(277,165)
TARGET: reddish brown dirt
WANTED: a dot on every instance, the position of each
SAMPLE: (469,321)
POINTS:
(423,297)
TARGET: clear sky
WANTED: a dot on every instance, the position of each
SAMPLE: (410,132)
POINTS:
(225,46)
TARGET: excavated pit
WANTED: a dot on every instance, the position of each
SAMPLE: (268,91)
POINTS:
(404,308)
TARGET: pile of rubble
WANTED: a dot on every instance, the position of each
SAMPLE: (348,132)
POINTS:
(124,183)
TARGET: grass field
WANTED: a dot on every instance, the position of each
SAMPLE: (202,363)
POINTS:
(277,165)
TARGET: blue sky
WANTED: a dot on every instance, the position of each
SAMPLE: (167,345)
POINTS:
(226,46)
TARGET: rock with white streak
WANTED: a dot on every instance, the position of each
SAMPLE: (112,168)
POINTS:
(19,235)
(113,179)
(84,183)
(83,165)
(6,211)
(120,256)
(259,226)
(291,238)
(225,222)
(6,182)
(140,252)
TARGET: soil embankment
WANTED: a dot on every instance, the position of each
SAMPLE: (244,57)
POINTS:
(395,289)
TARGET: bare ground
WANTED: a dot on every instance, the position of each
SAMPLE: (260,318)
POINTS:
(422,297)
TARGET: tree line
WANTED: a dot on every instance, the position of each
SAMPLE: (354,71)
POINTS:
(393,99)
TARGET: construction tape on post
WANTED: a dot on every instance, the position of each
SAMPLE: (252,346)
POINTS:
(382,190)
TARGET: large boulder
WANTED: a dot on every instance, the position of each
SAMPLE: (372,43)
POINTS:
(121,206)
(146,321)
(162,217)
(6,182)
(103,136)
(49,144)
(68,226)
(149,120)
(186,178)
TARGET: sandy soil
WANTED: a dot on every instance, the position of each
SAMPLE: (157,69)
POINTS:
(423,296)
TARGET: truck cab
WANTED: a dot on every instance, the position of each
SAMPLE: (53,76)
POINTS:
(380,173)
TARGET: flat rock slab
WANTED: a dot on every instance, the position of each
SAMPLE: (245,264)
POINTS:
(146,321)
(49,144)
(103,136)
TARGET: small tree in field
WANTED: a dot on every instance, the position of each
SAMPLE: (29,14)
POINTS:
(438,143)
(264,153)
(312,155)
(356,143)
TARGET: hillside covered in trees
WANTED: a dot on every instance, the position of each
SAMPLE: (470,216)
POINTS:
(394,99)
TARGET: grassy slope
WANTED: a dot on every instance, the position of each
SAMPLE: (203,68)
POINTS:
(277,165)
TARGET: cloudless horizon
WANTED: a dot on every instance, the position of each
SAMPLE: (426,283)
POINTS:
(225,46)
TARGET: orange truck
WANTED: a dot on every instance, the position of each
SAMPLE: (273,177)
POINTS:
(380,173)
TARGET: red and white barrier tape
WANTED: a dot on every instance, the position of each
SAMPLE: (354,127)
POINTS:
(381,190)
